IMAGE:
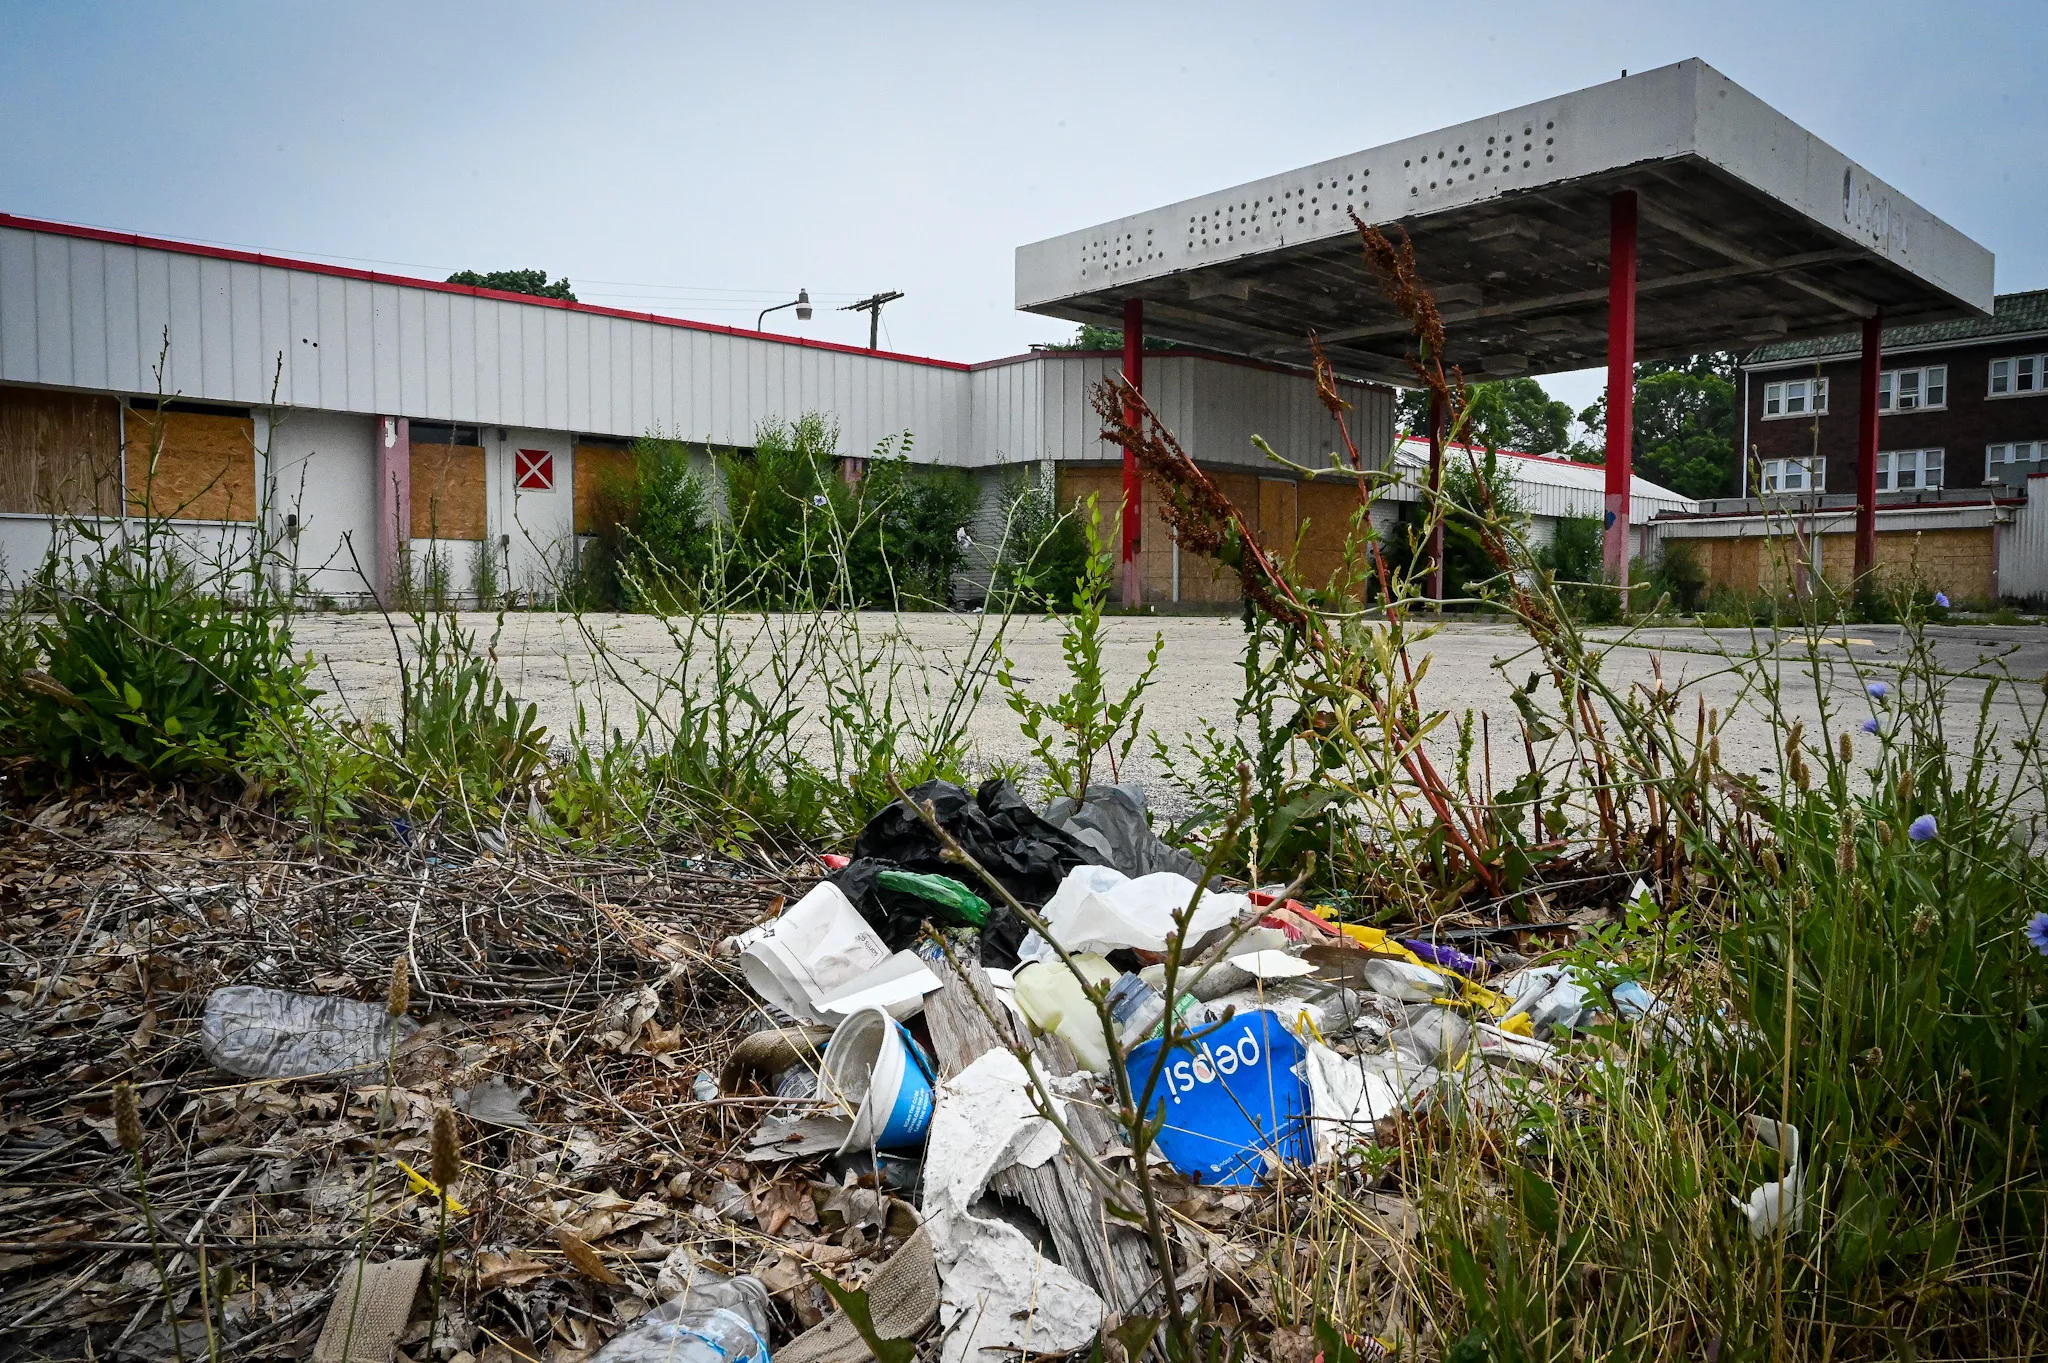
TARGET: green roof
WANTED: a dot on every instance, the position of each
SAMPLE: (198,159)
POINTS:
(2012,314)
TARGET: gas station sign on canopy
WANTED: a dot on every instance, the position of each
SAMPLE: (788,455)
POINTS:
(1751,229)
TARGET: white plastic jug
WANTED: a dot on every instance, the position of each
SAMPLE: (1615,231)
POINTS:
(1052,998)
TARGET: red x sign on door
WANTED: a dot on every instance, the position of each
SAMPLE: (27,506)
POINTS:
(534,470)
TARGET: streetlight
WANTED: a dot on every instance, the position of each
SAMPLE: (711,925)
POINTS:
(802,304)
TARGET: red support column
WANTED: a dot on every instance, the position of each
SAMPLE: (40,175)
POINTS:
(1621,381)
(1435,550)
(1133,499)
(1866,449)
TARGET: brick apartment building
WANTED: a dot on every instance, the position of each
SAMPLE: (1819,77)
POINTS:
(1962,426)
(1962,405)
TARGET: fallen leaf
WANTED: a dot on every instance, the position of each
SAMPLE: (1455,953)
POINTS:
(780,1203)
(859,1206)
(586,1259)
(606,1214)
(508,1270)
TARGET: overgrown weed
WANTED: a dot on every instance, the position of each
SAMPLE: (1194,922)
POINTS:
(1839,950)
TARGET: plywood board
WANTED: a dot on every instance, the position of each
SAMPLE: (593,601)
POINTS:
(1325,510)
(1962,563)
(448,493)
(1276,515)
(596,467)
(59,452)
(191,466)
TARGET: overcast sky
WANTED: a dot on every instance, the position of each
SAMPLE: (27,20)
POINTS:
(709,160)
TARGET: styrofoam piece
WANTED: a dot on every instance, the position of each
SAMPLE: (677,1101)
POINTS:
(897,985)
(1348,1094)
(999,1297)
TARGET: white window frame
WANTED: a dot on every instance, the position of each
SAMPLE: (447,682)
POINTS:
(1812,397)
(1924,380)
(2012,370)
(1813,469)
(1929,467)
(2003,455)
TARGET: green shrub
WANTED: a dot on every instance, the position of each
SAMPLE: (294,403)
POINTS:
(1679,576)
(462,739)
(1576,558)
(319,772)
(483,574)
(906,539)
(139,658)
(1475,489)
(1085,728)
(783,502)
(656,532)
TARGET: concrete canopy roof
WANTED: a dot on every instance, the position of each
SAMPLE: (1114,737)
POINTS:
(1751,230)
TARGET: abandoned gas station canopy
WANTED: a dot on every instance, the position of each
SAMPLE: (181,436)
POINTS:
(1751,230)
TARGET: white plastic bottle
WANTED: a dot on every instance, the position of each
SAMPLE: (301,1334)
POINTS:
(722,1322)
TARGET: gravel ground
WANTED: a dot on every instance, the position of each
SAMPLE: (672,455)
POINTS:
(551,661)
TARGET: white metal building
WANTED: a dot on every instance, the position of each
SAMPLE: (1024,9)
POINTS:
(1549,489)
(356,414)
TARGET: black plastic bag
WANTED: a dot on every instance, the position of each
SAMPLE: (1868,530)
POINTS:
(1112,825)
(1027,855)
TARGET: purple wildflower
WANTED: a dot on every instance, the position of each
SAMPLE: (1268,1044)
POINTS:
(1870,726)
(2037,932)
(1878,690)
(1921,829)
(1941,600)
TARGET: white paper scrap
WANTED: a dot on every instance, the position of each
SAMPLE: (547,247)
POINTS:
(1272,965)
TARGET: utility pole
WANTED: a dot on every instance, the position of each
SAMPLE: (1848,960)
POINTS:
(873,308)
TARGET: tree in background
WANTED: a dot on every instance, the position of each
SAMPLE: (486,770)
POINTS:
(531,282)
(1507,414)
(1092,337)
(1684,436)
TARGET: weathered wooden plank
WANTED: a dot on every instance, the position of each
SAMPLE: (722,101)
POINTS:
(1110,1257)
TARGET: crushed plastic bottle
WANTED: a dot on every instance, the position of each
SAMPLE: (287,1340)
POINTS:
(274,1034)
(711,1322)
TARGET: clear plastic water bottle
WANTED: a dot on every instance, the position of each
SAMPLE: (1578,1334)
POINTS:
(718,1322)
(1135,1007)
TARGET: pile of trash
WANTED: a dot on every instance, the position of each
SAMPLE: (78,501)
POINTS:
(704,1109)
(1291,1038)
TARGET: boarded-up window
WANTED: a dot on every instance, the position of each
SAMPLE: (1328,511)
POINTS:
(59,452)
(448,493)
(1325,510)
(1276,514)
(605,474)
(191,465)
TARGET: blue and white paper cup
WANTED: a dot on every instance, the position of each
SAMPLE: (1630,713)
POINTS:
(881,1074)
